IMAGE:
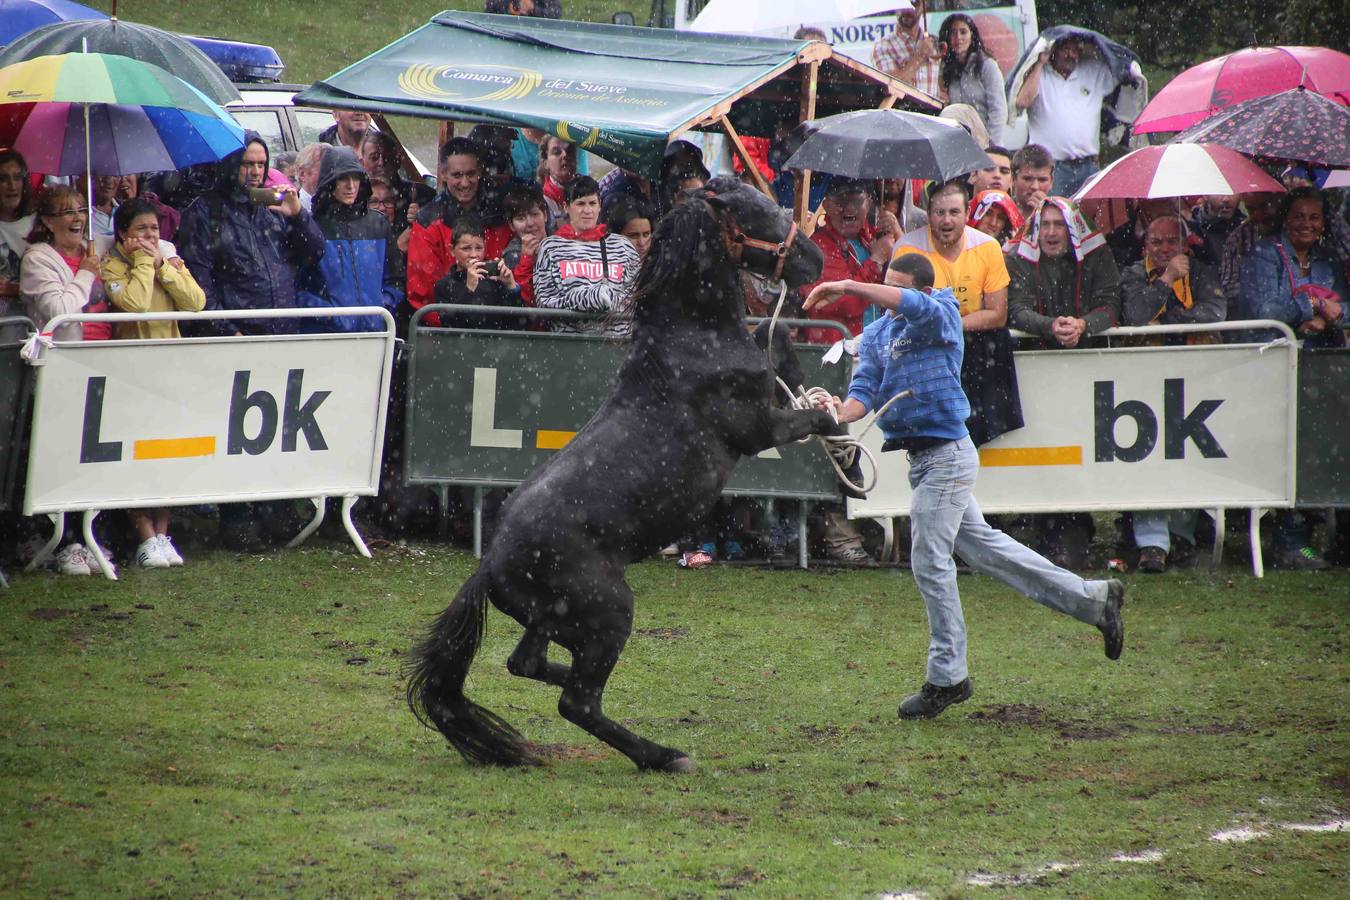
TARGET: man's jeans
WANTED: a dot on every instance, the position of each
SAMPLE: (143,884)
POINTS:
(1070,175)
(1154,528)
(944,517)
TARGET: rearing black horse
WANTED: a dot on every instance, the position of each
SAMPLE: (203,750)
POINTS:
(692,398)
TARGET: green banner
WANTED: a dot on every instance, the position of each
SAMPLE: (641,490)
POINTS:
(488,407)
(617,92)
(1323,437)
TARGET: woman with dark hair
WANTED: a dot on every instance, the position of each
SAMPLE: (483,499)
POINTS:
(16,220)
(143,274)
(1294,276)
(59,273)
(583,267)
(970,75)
(557,168)
(634,220)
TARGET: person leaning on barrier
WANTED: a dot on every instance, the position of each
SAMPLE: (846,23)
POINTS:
(360,265)
(245,253)
(527,214)
(583,267)
(143,274)
(59,273)
(1065,288)
(1260,219)
(381,156)
(557,168)
(477,281)
(1295,276)
(16,220)
(1168,287)
(916,346)
(1033,174)
(463,190)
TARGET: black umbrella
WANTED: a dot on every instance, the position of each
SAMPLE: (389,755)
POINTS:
(1298,125)
(142,42)
(887,143)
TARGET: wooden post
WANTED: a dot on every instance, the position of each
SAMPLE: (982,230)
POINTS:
(744,156)
(810,78)
(888,102)
(404,162)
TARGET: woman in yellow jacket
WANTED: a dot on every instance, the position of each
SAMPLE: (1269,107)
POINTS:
(143,274)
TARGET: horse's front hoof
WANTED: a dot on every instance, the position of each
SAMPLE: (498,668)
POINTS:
(681,765)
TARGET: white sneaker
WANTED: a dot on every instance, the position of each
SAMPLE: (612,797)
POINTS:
(70,560)
(149,555)
(167,548)
(92,562)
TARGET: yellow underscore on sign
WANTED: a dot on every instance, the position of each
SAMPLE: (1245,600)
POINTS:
(553,440)
(1032,456)
(175,448)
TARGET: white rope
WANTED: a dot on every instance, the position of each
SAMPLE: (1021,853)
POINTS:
(838,447)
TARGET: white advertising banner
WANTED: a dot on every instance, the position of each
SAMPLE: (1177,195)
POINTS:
(121,424)
(1132,428)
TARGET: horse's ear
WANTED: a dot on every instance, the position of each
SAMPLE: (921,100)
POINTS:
(711,197)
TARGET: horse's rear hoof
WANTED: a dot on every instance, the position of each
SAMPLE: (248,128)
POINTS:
(681,765)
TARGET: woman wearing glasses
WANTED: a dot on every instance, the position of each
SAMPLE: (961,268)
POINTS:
(60,272)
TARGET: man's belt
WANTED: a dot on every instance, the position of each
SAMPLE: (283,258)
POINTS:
(913,444)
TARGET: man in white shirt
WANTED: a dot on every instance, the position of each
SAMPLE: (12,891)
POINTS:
(1064,107)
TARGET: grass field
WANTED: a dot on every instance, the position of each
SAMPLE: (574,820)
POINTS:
(237,727)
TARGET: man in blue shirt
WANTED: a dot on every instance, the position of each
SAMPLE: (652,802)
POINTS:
(918,347)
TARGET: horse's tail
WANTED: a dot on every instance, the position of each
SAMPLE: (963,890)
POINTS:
(440,663)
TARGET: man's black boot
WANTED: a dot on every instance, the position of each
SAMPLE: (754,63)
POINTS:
(1111,626)
(933,699)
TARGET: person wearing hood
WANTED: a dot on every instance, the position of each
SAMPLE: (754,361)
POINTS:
(1065,288)
(243,254)
(463,191)
(917,347)
(360,265)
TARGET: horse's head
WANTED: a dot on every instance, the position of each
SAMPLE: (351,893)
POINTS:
(760,235)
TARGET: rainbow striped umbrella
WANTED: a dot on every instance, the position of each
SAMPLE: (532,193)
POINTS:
(99,114)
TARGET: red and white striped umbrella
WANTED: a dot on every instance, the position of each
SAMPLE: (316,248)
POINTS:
(1177,170)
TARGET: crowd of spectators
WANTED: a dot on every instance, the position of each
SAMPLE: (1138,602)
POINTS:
(516,222)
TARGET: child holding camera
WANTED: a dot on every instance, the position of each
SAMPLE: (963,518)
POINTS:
(475,281)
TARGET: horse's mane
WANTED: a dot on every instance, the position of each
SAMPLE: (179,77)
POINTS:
(687,248)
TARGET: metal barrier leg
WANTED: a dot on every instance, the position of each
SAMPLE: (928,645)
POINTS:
(478,523)
(1258,569)
(443,495)
(92,545)
(801,534)
(347,503)
(314,523)
(1218,515)
(45,553)
(887,538)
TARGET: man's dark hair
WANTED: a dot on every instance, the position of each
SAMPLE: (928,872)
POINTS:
(1033,155)
(916,266)
(955,186)
(993,149)
(467,226)
(127,212)
(809,33)
(581,186)
(522,198)
(839,187)
(461,146)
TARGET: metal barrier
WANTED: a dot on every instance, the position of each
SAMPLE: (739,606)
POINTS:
(486,408)
(1138,428)
(1324,428)
(16,394)
(126,424)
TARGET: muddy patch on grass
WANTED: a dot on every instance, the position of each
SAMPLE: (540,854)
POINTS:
(1011,714)
(50,613)
(720,817)
(569,751)
(1209,728)
(663,634)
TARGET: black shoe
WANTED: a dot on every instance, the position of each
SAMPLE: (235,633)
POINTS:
(1152,560)
(850,461)
(933,699)
(1304,559)
(241,537)
(1112,626)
